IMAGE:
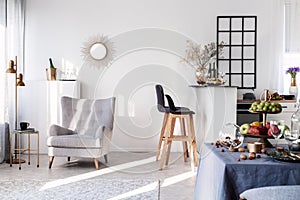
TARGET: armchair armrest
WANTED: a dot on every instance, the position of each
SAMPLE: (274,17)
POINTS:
(107,133)
(56,130)
(106,140)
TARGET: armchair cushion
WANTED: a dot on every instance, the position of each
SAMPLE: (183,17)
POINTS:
(74,141)
(56,130)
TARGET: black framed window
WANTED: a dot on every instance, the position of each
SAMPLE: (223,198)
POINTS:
(239,58)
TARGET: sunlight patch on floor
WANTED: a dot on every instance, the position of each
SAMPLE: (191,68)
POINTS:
(152,186)
(93,174)
(140,190)
(147,188)
(175,179)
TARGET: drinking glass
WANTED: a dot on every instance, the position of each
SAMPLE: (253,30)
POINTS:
(291,136)
(277,129)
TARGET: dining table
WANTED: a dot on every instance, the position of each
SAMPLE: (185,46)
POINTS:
(222,175)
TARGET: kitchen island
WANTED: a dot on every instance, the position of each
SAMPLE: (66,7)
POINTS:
(215,106)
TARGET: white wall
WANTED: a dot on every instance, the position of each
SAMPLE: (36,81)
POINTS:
(149,39)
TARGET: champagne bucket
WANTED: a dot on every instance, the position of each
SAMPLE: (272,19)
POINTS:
(51,74)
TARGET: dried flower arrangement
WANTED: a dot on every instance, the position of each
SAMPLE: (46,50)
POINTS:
(200,56)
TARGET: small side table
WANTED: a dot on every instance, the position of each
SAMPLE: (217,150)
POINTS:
(17,147)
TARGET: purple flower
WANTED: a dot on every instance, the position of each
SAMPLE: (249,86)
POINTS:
(293,71)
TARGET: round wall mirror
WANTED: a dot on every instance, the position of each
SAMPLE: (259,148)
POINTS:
(98,51)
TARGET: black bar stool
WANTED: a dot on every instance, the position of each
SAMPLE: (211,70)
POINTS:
(185,117)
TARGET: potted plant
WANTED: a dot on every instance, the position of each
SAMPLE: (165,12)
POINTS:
(199,56)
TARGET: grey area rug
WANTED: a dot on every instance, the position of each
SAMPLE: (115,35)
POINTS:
(83,189)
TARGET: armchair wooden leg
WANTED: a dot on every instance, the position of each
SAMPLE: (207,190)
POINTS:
(69,158)
(51,158)
(96,163)
(105,158)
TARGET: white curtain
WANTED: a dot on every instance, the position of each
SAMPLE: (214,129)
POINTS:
(292,26)
(276,42)
(291,54)
(11,44)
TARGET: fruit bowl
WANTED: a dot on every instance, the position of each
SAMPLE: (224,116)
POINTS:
(258,136)
(264,112)
(231,136)
(265,107)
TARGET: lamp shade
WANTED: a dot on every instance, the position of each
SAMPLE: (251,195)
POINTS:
(20,80)
(11,68)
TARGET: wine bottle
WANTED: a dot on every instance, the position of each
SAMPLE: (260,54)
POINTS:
(51,63)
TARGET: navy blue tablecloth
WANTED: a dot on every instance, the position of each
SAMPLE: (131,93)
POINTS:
(221,176)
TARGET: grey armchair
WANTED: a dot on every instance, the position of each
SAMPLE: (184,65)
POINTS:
(86,129)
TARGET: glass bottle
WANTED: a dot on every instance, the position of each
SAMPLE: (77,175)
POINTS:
(293,135)
(295,119)
(51,63)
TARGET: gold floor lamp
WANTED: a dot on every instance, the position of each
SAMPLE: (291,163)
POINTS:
(18,82)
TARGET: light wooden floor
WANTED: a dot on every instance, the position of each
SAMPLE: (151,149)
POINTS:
(177,179)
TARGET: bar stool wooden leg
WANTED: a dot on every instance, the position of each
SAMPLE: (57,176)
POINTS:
(161,135)
(170,137)
(192,156)
(191,136)
(194,141)
(165,141)
(184,143)
(195,152)
(163,153)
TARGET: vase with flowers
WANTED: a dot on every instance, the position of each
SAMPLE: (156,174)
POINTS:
(293,86)
(200,56)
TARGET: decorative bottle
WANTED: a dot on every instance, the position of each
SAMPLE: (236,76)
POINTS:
(51,63)
(295,119)
(295,125)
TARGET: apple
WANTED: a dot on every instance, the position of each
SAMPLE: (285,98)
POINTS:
(254,130)
(274,128)
(269,133)
(268,125)
(263,130)
(244,129)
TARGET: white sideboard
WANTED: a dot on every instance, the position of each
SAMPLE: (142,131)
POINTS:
(216,106)
(39,104)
